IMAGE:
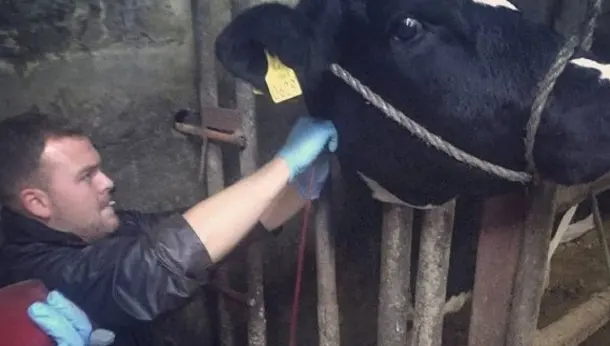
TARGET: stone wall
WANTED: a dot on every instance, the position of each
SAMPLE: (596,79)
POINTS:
(119,68)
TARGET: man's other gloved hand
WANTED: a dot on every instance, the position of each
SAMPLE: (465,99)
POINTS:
(307,139)
(67,324)
(320,169)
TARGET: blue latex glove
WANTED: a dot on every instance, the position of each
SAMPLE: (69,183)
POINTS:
(320,169)
(67,324)
(307,139)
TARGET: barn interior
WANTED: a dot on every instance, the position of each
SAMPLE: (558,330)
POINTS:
(123,69)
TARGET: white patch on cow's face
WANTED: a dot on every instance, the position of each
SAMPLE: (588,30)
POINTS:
(385,196)
(604,70)
(497,3)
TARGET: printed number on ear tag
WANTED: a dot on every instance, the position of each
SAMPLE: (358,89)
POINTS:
(281,80)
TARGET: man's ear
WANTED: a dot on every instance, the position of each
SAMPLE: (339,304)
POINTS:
(36,202)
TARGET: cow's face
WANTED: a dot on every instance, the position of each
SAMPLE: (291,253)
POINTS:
(437,59)
(464,69)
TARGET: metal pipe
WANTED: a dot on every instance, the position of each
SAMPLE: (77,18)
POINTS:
(236,139)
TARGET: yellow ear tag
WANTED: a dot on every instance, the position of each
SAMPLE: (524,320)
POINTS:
(281,80)
(256,91)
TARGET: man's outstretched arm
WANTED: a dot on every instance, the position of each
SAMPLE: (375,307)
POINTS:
(224,219)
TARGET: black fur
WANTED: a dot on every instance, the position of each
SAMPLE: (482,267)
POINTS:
(469,75)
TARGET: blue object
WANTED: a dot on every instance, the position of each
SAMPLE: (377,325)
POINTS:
(66,323)
(320,169)
(307,139)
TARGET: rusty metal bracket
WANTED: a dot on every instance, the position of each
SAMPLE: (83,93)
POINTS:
(221,125)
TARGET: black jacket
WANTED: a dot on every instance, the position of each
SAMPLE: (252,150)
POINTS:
(147,267)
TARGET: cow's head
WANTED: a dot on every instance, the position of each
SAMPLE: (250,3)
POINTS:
(425,49)
(467,70)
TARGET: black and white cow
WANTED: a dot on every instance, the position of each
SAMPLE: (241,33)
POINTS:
(467,70)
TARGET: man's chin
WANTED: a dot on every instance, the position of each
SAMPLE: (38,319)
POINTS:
(110,220)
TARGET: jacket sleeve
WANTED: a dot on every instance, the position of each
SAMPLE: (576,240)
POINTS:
(120,281)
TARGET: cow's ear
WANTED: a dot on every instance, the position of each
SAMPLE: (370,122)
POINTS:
(275,28)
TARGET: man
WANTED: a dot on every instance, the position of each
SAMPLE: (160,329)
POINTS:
(126,268)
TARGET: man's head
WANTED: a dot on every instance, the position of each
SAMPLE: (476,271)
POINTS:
(51,172)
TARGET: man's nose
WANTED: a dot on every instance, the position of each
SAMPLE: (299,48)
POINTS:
(106,183)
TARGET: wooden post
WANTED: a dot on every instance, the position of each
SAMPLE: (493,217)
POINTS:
(431,288)
(529,280)
(394,289)
(328,307)
(497,256)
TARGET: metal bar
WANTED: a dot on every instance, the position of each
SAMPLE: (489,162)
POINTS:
(205,29)
(497,256)
(579,324)
(394,290)
(431,288)
(529,280)
(236,139)
(220,119)
(328,307)
(601,234)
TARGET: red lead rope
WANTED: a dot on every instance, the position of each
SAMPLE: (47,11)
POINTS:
(297,288)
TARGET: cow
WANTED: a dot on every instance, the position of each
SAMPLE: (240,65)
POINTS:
(466,70)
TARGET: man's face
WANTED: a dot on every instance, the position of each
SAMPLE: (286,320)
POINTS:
(78,191)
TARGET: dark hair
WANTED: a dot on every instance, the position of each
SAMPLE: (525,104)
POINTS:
(22,141)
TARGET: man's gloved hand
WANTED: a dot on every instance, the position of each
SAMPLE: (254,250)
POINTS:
(67,324)
(307,139)
(320,169)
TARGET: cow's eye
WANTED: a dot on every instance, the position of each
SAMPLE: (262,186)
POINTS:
(407,29)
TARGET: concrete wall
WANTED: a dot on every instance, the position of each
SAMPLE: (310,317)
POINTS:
(121,68)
